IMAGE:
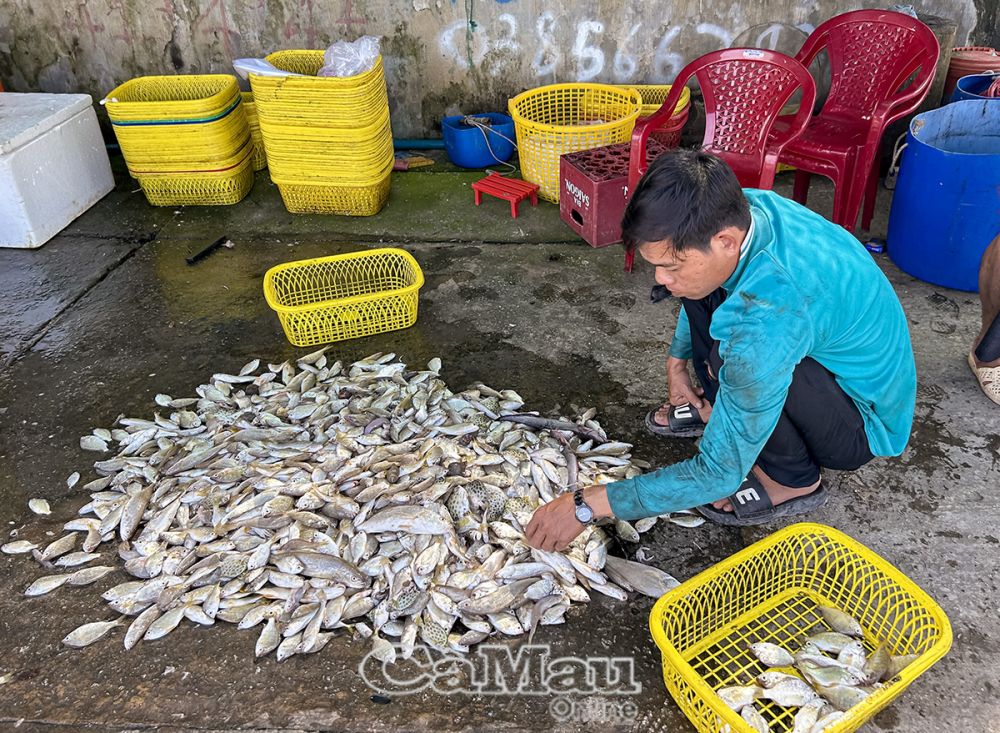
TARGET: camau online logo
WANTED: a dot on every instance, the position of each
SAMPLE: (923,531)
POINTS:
(585,689)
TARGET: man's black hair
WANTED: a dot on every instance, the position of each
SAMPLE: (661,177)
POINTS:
(686,197)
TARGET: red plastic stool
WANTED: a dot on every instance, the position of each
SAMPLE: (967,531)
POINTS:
(509,189)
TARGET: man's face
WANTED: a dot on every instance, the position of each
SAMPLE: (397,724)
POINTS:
(694,274)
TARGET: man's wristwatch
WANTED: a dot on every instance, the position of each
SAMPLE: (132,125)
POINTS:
(584,514)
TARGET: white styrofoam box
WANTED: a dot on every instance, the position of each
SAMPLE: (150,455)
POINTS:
(53,165)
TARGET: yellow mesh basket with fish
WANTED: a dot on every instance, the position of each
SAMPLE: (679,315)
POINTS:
(344,296)
(770,592)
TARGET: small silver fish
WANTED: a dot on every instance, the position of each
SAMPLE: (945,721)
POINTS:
(842,697)
(840,621)
(771,654)
(853,655)
(75,558)
(39,506)
(754,719)
(898,663)
(830,641)
(773,677)
(876,668)
(92,442)
(790,693)
(46,584)
(807,716)
(89,633)
(737,697)
(18,547)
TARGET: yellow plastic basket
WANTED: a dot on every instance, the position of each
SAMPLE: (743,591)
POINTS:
(165,122)
(769,592)
(565,118)
(653,96)
(339,164)
(345,296)
(304,197)
(330,102)
(201,188)
(182,97)
(259,154)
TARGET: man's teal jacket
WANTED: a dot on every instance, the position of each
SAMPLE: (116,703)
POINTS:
(803,287)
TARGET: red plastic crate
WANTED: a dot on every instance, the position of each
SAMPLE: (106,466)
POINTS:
(593,190)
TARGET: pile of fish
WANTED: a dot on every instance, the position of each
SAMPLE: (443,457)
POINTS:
(825,686)
(314,496)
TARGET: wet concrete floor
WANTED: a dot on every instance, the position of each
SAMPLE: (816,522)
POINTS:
(106,315)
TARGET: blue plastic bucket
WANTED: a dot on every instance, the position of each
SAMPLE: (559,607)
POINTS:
(472,147)
(946,207)
(974,86)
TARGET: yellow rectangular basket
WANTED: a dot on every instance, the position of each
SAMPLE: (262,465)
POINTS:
(223,187)
(345,296)
(769,592)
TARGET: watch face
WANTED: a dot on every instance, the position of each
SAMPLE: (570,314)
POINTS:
(584,514)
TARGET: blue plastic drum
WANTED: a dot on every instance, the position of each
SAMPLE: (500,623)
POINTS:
(475,146)
(974,86)
(946,207)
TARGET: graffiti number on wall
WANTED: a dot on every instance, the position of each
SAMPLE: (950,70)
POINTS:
(469,44)
(548,55)
(625,64)
(589,59)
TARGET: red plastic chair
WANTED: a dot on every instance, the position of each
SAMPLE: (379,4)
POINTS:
(872,53)
(744,90)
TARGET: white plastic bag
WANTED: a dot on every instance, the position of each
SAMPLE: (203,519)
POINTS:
(350,58)
(246,67)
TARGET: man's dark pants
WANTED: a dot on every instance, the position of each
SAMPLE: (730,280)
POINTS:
(820,425)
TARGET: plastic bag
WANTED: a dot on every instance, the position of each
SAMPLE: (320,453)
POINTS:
(246,67)
(350,58)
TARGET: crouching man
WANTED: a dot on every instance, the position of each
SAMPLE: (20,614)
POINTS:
(797,339)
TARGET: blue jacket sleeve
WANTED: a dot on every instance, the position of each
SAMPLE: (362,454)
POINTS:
(680,345)
(762,339)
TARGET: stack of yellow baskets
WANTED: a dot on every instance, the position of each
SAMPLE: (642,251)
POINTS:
(259,156)
(328,140)
(184,138)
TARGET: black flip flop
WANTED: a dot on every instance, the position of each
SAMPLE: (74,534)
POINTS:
(683,421)
(752,505)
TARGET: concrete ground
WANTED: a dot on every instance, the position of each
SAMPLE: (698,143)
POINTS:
(107,314)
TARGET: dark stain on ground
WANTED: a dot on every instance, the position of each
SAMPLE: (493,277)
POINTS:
(477,292)
(888,719)
(546,292)
(603,322)
(625,301)
(930,440)
(949,533)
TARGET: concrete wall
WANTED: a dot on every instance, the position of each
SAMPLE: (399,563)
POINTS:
(441,56)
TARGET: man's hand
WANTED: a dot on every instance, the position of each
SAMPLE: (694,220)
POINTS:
(555,525)
(680,387)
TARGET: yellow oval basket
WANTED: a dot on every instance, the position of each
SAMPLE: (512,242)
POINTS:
(565,118)
(345,296)
(181,97)
(654,95)
(769,592)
